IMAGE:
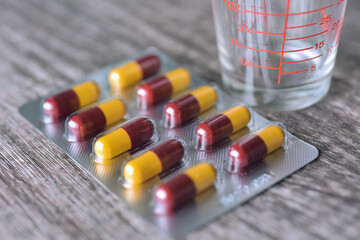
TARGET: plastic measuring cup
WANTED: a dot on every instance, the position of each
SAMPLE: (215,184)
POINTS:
(278,54)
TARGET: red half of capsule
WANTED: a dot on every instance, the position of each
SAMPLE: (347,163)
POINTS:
(62,104)
(174,194)
(182,110)
(246,152)
(139,131)
(87,122)
(149,65)
(213,131)
(170,153)
(154,91)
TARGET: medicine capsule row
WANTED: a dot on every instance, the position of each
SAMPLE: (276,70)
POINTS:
(166,155)
(92,120)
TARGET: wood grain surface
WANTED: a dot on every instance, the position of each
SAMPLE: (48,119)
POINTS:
(45,195)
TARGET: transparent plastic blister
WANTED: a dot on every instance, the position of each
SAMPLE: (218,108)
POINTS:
(123,140)
(256,146)
(174,156)
(161,88)
(56,107)
(91,120)
(189,107)
(223,127)
(230,188)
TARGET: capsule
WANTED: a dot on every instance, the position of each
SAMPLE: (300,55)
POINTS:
(71,100)
(133,72)
(153,162)
(255,147)
(97,118)
(163,87)
(129,136)
(175,193)
(221,126)
(190,106)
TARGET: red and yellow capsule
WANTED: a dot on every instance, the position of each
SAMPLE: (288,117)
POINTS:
(255,147)
(163,87)
(129,136)
(190,106)
(71,100)
(178,191)
(133,72)
(96,118)
(221,126)
(154,162)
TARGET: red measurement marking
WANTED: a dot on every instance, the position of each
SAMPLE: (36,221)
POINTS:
(261,50)
(291,39)
(302,26)
(291,51)
(267,67)
(299,50)
(269,33)
(317,10)
(306,70)
(266,14)
(288,14)
(284,36)
(304,60)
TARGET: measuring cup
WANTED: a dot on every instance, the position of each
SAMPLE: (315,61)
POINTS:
(278,54)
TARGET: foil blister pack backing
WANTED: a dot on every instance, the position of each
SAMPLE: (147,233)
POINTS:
(231,189)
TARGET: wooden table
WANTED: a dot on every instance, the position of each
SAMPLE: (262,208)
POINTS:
(48,44)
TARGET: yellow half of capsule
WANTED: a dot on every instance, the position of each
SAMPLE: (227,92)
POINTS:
(142,168)
(87,93)
(239,117)
(114,110)
(126,75)
(273,137)
(112,144)
(179,78)
(206,96)
(203,176)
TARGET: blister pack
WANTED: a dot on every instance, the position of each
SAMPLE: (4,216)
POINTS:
(176,148)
